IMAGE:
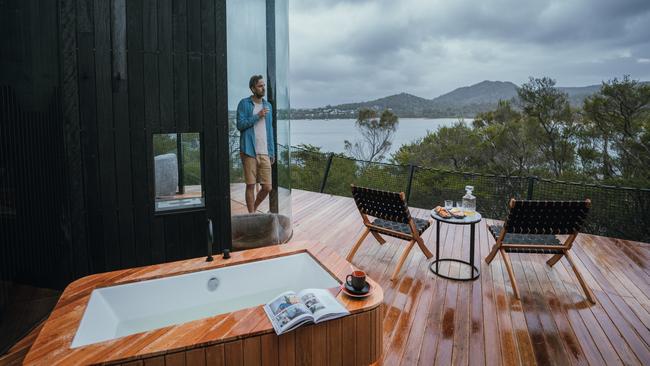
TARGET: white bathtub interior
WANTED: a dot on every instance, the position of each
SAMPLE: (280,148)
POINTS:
(121,310)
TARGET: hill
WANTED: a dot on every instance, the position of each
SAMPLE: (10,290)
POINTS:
(461,102)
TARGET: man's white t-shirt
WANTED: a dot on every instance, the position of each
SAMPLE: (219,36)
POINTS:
(260,132)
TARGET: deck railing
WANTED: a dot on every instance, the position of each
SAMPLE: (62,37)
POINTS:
(618,212)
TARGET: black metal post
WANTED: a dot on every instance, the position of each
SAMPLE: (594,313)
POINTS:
(327,172)
(179,163)
(408,185)
(271,75)
(471,249)
(437,243)
(531,187)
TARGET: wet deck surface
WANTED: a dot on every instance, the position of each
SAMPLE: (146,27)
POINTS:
(429,319)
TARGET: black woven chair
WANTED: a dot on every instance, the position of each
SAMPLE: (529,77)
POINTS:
(532,226)
(392,218)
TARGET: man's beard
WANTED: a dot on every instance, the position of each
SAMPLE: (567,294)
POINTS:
(259,95)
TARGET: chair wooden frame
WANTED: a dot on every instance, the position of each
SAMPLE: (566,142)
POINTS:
(501,247)
(376,231)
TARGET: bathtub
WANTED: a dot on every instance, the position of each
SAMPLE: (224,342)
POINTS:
(122,310)
(172,313)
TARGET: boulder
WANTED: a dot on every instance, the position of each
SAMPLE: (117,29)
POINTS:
(259,230)
(166,174)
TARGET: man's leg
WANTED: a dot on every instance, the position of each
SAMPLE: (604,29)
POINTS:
(261,195)
(250,172)
(250,198)
(264,177)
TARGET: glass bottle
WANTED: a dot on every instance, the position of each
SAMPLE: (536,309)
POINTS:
(469,201)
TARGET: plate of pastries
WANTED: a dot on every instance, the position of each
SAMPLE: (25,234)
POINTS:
(455,212)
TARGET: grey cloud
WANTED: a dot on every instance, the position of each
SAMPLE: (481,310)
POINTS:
(430,47)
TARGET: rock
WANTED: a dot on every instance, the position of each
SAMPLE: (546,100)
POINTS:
(166,174)
(259,230)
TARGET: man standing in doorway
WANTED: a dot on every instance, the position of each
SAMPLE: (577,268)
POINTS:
(256,146)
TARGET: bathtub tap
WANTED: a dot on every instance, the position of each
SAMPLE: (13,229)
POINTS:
(210,241)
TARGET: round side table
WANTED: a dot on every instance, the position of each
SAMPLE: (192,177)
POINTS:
(467,220)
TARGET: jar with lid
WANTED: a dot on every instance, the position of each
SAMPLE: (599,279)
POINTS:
(469,201)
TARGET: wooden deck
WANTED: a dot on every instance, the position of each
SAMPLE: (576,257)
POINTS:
(431,320)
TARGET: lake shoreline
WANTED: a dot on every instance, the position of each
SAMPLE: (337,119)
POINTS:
(330,134)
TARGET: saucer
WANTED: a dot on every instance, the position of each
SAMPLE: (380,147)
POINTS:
(350,291)
(363,291)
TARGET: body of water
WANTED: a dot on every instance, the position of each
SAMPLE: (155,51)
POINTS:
(331,133)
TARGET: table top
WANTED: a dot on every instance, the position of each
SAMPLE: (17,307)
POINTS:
(473,219)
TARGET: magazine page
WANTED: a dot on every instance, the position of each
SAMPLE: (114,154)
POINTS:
(322,305)
(287,312)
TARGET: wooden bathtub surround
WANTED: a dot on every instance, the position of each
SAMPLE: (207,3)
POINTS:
(228,339)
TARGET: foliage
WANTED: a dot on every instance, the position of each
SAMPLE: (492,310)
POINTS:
(307,167)
(554,121)
(191,159)
(166,143)
(376,135)
(618,131)
(606,141)
(515,152)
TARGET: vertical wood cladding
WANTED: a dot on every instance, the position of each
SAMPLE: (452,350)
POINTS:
(36,240)
(312,344)
(146,67)
(84,84)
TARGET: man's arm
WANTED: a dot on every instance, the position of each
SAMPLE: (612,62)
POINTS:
(244,121)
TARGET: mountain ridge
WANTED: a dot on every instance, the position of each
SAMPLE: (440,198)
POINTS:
(464,101)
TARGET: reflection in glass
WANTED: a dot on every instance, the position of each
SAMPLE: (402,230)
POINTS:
(246,31)
(247,55)
(177,171)
(282,105)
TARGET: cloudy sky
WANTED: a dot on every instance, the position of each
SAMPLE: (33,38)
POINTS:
(356,50)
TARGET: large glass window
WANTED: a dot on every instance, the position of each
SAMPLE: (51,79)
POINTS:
(283,105)
(177,171)
(248,55)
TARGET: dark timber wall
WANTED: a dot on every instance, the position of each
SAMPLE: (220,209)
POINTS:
(35,253)
(84,84)
(132,69)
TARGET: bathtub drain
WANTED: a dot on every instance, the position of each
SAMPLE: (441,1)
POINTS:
(213,283)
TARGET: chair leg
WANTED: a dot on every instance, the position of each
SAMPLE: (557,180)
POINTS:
(554,259)
(378,237)
(511,274)
(493,253)
(581,280)
(425,250)
(356,246)
(405,254)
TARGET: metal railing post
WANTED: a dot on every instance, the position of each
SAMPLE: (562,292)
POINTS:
(327,172)
(531,187)
(410,182)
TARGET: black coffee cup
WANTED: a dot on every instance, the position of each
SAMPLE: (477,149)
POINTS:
(357,280)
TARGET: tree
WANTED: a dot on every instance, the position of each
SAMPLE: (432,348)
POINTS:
(164,143)
(505,136)
(307,167)
(549,108)
(376,135)
(453,147)
(619,117)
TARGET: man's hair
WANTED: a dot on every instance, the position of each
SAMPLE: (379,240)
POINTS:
(253,81)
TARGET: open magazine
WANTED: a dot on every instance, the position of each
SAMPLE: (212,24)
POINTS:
(290,310)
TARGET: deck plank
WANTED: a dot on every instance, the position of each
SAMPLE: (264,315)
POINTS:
(429,319)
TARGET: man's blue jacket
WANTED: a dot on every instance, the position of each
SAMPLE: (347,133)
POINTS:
(245,123)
